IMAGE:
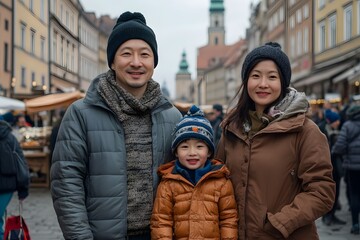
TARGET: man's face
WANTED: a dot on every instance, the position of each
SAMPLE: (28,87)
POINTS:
(134,66)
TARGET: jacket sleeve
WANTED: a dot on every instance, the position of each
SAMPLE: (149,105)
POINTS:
(68,173)
(228,215)
(317,193)
(340,146)
(162,222)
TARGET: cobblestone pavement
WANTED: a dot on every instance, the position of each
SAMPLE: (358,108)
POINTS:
(40,217)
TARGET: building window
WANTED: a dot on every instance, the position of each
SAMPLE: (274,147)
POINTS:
(42,10)
(322,39)
(332,31)
(62,52)
(292,46)
(298,16)
(33,81)
(73,58)
(31,5)
(32,41)
(321,4)
(23,77)
(54,53)
(281,14)
(6,25)
(42,46)
(42,80)
(6,56)
(23,32)
(292,22)
(306,11)
(347,22)
(306,40)
(299,43)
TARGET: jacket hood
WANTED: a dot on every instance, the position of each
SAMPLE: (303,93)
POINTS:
(293,103)
(5,129)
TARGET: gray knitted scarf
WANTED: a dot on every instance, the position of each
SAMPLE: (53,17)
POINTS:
(134,113)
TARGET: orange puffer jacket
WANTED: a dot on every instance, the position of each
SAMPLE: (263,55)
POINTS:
(204,211)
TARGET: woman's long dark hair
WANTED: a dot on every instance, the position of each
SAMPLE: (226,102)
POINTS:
(240,113)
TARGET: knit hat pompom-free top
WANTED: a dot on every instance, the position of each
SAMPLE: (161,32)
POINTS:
(269,51)
(130,26)
(194,125)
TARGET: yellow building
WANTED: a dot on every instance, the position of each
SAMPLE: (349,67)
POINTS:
(336,49)
(30,48)
(5,46)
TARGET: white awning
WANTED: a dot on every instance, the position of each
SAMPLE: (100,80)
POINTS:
(323,75)
(348,74)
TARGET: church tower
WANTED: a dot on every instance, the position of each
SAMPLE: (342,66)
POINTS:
(184,85)
(216,30)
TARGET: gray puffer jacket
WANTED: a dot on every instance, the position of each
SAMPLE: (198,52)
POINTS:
(348,140)
(88,171)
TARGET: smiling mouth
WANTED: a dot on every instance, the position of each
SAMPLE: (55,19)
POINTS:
(192,161)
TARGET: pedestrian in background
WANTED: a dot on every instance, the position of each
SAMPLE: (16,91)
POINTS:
(330,127)
(11,179)
(216,121)
(111,143)
(348,145)
(279,160)
(195,198)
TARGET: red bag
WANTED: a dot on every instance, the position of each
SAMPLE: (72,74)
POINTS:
(16,228)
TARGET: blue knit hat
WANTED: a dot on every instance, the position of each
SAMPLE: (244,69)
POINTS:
(331,116)
(194,125)
(130,26)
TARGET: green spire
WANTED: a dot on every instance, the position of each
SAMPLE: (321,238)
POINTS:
(183,67)
(217,6)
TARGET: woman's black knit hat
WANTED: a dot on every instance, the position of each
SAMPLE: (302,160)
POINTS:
(272,51)
(130,26)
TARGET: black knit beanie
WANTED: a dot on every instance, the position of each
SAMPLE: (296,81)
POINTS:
(272,51)
(130,26)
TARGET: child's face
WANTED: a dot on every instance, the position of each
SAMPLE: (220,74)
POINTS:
(192,153)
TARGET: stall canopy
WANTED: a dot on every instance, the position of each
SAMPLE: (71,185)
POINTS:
(52,101)
(11,104)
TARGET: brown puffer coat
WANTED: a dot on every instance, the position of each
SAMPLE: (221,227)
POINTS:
(282,178)
(204,211)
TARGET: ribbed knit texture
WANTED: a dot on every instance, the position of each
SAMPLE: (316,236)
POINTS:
(272,51)
(135,116)
(130,26)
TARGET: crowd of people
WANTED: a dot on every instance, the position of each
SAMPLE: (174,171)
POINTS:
(341,126)
(128,165)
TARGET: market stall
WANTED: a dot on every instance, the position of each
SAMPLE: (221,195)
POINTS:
(35,140)
(52,101)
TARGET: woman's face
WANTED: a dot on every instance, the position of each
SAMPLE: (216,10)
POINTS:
(264,84)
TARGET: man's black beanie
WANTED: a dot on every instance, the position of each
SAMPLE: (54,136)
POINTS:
(130,26)
(272,51)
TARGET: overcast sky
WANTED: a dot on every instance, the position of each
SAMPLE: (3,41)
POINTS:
(178,25)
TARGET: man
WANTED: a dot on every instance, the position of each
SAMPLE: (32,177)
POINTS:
(215,119)
(110,144)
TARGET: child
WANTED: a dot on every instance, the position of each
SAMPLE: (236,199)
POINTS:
(195,198)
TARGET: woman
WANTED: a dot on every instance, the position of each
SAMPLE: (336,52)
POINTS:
(278,159)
